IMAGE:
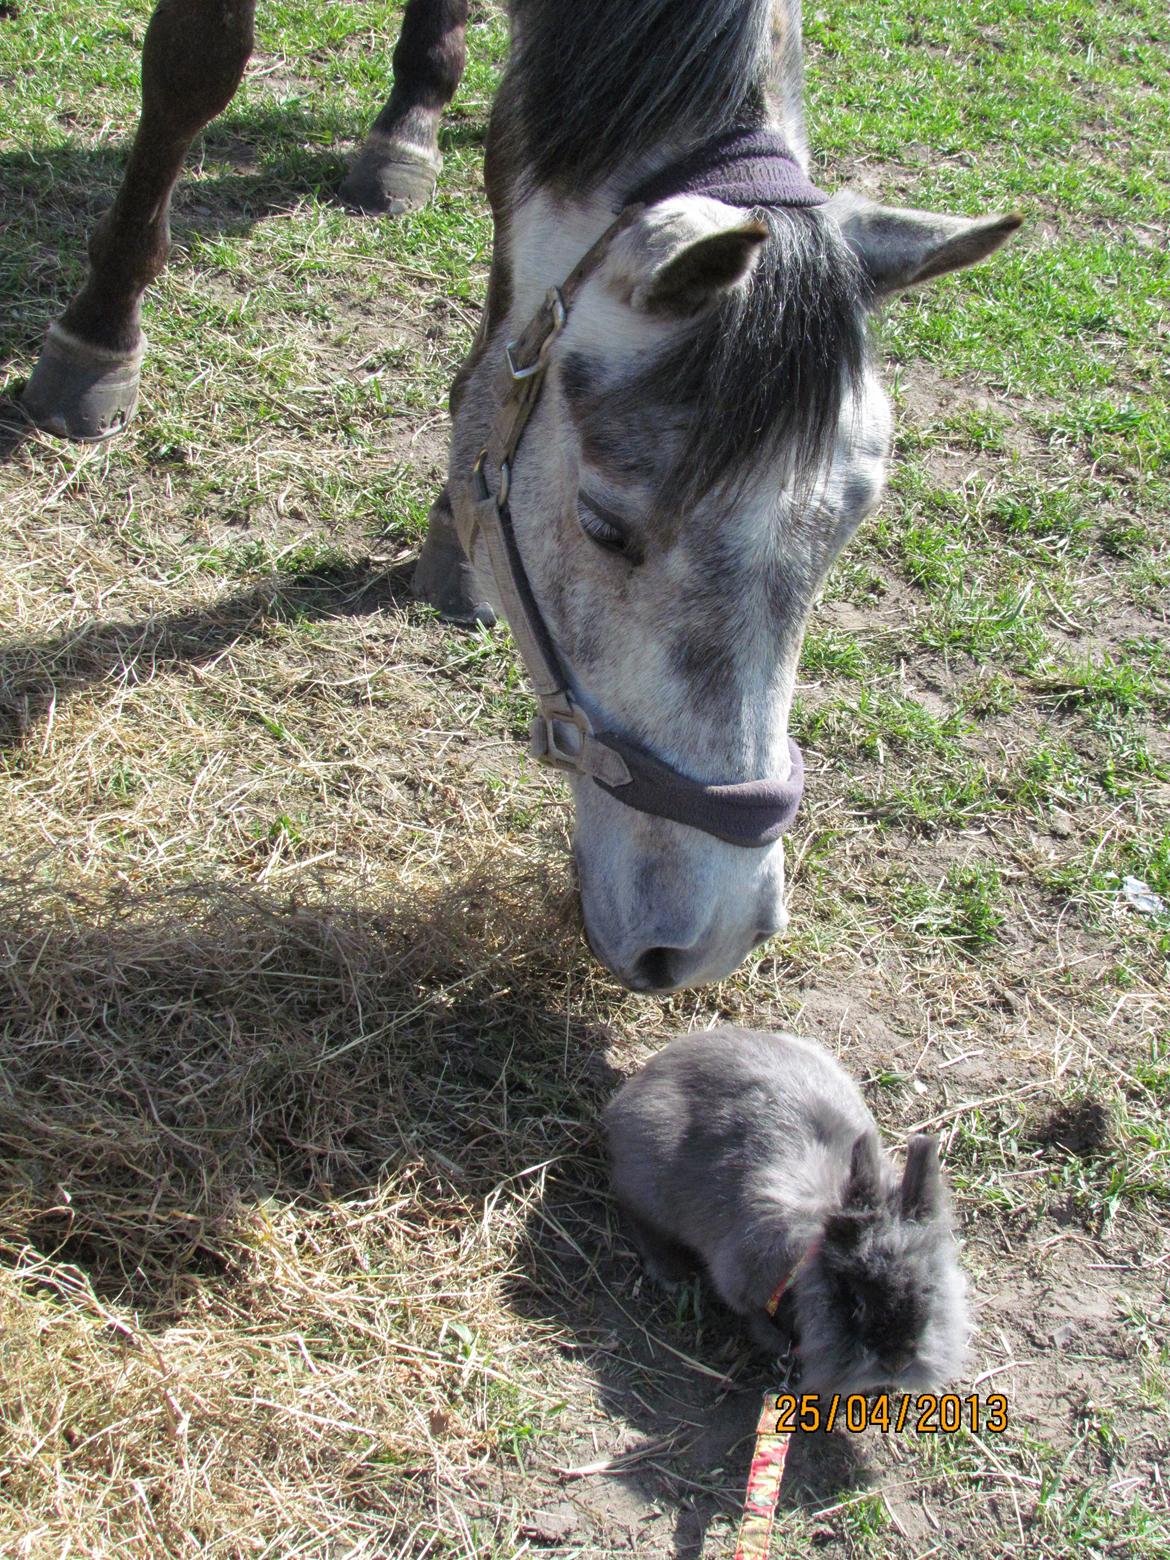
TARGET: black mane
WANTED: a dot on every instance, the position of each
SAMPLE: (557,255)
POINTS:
(599,80)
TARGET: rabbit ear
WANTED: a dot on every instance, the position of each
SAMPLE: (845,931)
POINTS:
(863,1189)
(922,1191)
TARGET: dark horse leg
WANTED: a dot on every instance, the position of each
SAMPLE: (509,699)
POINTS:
(86,381)
(396,168)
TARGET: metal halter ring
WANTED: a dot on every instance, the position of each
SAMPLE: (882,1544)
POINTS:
(478,480)
(522,373)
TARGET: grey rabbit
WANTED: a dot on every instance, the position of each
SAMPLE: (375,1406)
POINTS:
(755,1154)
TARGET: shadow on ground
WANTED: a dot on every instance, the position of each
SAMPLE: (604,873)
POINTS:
(169,1062)
(51,200)
(675,1376)
(38,675)
(15,428)
(170,1058)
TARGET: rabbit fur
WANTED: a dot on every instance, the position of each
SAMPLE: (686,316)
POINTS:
(755,1152)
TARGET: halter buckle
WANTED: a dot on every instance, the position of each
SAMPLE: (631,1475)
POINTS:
(522,373)
(557,735)
(479,479)
(555,305)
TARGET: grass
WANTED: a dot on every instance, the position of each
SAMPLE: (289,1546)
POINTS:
(304,1242)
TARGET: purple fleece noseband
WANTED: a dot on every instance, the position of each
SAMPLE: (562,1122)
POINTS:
(751,813)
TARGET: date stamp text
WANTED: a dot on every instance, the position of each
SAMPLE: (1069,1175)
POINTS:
(927,1413)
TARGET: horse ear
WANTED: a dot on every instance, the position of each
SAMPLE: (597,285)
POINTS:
(899,247)
(683,254)
(922,1181)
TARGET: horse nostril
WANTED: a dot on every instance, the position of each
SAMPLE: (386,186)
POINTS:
(654,969)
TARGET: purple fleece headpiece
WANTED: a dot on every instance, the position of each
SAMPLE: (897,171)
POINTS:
(740,167)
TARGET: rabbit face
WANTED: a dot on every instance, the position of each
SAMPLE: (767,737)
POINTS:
(883,1303)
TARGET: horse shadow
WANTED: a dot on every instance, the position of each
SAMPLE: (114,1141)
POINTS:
(38,675)
(174,1057)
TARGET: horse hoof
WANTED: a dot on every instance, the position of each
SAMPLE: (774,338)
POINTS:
(389,178)
(79,391)
(445,580)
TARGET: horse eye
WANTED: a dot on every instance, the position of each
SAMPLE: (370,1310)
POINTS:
(602,531)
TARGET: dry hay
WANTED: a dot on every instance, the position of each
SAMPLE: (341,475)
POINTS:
(258,1160)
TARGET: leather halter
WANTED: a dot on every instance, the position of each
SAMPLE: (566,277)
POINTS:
(752,813)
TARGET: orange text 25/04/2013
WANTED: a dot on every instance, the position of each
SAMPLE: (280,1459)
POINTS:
(928,1413)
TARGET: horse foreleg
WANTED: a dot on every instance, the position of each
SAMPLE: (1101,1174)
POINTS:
(398,163)
(86,382)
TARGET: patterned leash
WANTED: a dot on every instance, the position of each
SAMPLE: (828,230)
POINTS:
(767,1470)
(763,1486)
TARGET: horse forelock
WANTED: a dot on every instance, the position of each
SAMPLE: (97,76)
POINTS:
(757,383)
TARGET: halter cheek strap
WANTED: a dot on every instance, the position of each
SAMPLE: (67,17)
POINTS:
(753,813)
